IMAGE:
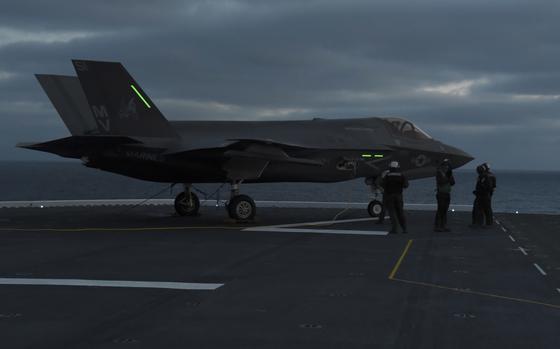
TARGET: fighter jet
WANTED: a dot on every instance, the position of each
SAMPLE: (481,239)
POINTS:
(116,127)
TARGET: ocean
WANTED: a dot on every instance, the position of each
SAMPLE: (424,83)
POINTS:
(521,191)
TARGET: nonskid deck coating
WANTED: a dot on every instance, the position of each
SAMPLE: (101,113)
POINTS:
(463,289)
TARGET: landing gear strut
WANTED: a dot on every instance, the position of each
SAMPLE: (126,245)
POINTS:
(240,207)
(375,207)
(187,203)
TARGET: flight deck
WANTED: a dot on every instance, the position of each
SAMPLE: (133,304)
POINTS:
(141,277)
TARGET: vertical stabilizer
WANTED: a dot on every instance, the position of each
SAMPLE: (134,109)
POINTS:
(69,100)
(118,104)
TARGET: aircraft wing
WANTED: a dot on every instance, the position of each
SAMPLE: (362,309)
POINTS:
(246,158)
(258,149)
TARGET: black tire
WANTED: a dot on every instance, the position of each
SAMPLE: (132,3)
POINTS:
(242,208)
(185,208)
(375,208)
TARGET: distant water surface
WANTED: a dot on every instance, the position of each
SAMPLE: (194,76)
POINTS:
(523,191)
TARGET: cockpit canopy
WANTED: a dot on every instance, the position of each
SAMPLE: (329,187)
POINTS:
(406,128)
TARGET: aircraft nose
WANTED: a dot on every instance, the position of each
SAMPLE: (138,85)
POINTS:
(456,156)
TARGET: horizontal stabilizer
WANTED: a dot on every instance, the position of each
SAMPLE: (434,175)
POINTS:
(78,146)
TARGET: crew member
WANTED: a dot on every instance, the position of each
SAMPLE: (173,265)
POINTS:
(477,215)
(444,182)
(489,187)
(393,184)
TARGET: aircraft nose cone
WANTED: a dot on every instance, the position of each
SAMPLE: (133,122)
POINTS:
(457,157)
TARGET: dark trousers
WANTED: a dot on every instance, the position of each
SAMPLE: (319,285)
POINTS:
(395,208)
(443,200)
(383,209)
(482,210)
(477,215)
(486,208)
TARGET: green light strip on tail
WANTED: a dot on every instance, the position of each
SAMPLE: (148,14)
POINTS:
(141,97)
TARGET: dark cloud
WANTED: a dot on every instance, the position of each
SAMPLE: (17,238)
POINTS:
(482,75)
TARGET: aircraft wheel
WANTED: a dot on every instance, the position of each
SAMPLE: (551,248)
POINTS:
(186,207)
(375,208)
(242,208)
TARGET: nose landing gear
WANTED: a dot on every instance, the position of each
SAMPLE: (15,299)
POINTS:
(375,207)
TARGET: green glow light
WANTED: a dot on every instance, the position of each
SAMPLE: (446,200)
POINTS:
(366,155)
(141,97)
(378,155)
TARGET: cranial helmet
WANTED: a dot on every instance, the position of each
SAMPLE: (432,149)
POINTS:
(394,164)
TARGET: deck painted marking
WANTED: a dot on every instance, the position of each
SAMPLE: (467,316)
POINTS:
(511,238)
(461,290)
(399,261)
(504,229)
(116,229)
(477,293)
(317,231)
(539,269)
(110,283)
(295,228)
(523,250)
(323,222)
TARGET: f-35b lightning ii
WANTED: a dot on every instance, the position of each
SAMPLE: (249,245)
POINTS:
(117,128)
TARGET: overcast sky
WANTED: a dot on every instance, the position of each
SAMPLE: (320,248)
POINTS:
(481,75)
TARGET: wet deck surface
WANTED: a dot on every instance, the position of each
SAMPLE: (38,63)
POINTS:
(469,288)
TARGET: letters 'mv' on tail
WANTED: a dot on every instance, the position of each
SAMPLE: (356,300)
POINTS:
(118,104)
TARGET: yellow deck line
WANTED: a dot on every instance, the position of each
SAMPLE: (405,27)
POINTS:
(401,258)
(477,293)
(460,290)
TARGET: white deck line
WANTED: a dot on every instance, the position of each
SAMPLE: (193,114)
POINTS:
(523,250)
(317,231)
(110,283)
(286,204)
(295,228)
(539,269)
(305,224)
(511,238)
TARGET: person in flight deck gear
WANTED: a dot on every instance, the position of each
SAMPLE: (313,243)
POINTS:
(444,182)
(477,215)
(384,204)
(393,184)
(486,202)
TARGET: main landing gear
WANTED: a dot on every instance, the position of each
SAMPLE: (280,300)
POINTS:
(187,203)
(240,207)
